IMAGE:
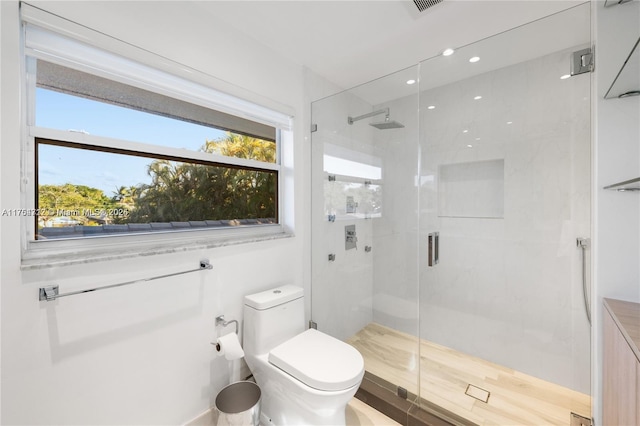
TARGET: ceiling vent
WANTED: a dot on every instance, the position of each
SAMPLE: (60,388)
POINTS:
(423,5)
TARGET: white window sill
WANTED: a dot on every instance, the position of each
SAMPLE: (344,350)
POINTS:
(49,254)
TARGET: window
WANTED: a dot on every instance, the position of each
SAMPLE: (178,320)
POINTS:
(124,149)
(353,188)
(111,188)
(74,200)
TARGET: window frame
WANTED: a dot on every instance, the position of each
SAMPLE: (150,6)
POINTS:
(158,80)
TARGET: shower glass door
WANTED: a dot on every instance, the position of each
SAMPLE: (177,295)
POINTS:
(365,224)
(447,201)
(505,183)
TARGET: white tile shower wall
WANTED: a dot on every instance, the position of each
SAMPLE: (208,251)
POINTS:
(508,290)
(342,288)
(395,248)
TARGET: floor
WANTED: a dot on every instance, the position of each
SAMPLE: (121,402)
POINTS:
(511,397)
(357,414)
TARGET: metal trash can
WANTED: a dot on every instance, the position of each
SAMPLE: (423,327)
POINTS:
(238,404)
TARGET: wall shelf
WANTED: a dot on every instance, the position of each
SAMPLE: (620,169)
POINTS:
(627,185)
(609,3)
(627,81)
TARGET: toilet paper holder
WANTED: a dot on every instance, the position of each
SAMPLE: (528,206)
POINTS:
(220,321)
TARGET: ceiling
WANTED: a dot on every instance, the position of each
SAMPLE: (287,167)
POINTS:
(569,29)
(349,42)
(352,42)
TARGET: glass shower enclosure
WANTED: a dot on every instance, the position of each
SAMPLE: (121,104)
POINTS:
(447,202)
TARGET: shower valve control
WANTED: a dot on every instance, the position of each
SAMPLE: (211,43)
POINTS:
(350,238)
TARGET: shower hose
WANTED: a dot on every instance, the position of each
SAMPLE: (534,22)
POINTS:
(583,244)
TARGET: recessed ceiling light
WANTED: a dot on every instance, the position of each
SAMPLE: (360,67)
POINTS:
(412,81)
(477,97)
(564,77)
(469,146)
(465,131)
(474,59)
(509,122)
(447,52)
(431,107)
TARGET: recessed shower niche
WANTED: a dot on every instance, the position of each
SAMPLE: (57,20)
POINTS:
(474,189)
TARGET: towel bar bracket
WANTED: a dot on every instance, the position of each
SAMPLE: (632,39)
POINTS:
(48,293)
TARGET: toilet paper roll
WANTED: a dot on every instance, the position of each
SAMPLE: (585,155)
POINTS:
(229,346)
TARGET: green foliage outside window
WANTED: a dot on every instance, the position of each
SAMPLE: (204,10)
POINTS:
(177,191)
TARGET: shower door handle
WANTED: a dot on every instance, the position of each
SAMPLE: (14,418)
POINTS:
(433,249)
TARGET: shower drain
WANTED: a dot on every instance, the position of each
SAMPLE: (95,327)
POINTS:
(477,393)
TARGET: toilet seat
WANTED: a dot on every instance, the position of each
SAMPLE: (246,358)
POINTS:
(319,361)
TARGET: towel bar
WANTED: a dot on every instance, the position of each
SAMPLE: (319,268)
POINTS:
(52,292)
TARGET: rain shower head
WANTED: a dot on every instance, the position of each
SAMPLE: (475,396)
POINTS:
(386,124)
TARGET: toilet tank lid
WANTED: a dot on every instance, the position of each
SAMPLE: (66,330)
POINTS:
(274,297)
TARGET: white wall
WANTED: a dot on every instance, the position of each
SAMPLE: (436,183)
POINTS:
(138,354)
(617,158)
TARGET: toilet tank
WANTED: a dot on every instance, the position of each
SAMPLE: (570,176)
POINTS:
(271,317)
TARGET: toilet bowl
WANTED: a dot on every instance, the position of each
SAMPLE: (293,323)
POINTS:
(307,377)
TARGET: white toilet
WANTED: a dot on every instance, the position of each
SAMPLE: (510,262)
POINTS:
(306,377)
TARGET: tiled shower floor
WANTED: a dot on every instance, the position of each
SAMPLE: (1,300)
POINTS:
(461,383)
